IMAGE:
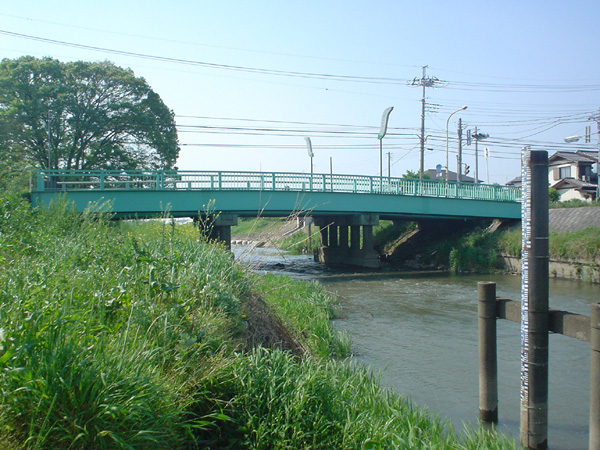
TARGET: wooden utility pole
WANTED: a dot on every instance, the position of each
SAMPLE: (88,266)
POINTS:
(424,82)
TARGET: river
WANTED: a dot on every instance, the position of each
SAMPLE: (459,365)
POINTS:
(420,331)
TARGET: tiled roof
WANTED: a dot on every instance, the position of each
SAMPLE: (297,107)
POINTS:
(575,183)
(579,156)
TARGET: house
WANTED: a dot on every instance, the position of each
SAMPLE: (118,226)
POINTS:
(441,175)
(572,175)
(516,181)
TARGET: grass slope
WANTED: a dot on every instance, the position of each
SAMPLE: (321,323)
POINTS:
(134,336)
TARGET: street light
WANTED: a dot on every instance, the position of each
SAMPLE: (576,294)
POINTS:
(310,153)
(447,122)
(384,123)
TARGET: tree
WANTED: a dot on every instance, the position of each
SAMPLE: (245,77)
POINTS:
(415,174)
(83,115)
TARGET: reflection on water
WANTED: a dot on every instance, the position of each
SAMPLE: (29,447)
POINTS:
(421,331)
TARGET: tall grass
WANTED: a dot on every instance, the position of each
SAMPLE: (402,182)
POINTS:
(128,337)
(106,337)
(283,404)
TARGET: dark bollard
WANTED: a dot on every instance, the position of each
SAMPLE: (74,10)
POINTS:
(595,378)
(488,362)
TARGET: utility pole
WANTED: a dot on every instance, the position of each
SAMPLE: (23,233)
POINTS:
(459,160)
(424,82)
(389,154)
(48,120)
(596,118)
(487,167)
(476,159)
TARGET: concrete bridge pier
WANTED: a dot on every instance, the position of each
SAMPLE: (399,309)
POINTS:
(217,228)
(348,240)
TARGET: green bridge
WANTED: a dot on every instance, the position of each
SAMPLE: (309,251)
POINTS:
(338,203)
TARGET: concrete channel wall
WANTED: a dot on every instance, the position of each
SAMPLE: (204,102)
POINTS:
(560,269)
(567,220)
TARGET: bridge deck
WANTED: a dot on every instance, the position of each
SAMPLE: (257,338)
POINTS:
(181,193)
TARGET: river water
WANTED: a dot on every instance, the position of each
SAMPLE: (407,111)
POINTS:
(420,331)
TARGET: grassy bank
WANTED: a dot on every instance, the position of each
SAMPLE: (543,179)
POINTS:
(477,250)
(582,245)
(136,336)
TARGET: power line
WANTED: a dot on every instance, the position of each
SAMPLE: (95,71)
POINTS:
(350,78)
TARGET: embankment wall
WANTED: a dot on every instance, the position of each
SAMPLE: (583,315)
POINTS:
(587,271)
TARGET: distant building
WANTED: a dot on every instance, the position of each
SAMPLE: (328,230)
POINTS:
(572,175)
(516,181)
(441,175)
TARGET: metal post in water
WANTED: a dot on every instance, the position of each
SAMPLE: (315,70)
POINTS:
(595,378)
(534,302)
(488,361)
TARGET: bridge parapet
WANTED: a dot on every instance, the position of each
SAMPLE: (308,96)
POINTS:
(109,180)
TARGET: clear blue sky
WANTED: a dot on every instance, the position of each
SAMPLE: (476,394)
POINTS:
(528,72)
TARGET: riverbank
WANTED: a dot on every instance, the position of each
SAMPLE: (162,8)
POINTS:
(570,270)
(143,335)
(489,248)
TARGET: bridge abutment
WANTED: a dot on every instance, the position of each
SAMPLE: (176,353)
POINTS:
(337,249)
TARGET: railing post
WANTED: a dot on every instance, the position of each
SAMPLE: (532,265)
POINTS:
(219,181)
(488,360)
(324,183)
(595,378)
(41,183)
(273,181)
(102,180)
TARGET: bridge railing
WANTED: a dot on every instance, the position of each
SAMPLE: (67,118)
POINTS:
(108,180)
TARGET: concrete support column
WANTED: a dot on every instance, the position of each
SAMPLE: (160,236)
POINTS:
(217,228)
(343,236)
(368,243)
(488,353)
(324,236)
(333,235)
(337,249)
(224,235)
(355,237)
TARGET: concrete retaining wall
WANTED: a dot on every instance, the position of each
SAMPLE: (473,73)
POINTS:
(559,269)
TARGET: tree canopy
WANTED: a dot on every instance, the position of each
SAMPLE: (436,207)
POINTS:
(83,115)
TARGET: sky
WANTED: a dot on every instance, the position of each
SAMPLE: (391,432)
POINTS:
(248,81)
